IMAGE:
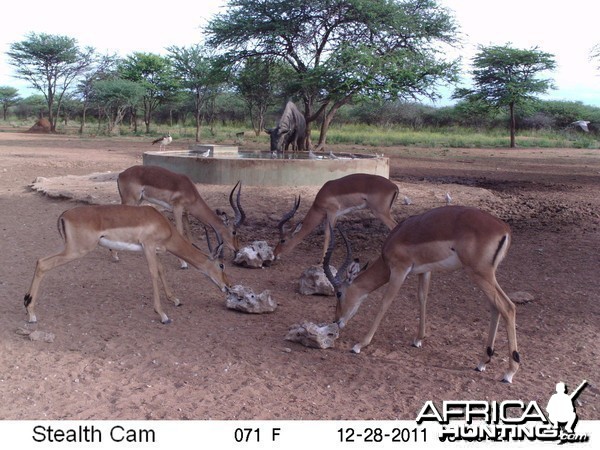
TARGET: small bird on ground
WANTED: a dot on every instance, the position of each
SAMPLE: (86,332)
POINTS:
(164,141)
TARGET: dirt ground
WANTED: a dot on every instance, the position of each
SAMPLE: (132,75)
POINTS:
(112,359)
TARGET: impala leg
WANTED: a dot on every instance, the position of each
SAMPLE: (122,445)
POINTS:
(165,284)
(43,266)
(153,266)
(329,225)
(386,218)
(186,226)
(422,293)
(489,349)
(178,213)
(501,306)
(396,281)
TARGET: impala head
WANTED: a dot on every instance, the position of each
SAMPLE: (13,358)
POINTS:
(286,231)
(346,304)
(232,238)
(216,270)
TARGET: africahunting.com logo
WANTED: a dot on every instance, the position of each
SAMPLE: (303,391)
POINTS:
(511,420)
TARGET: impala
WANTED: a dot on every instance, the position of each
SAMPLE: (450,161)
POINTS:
(124,227)
(334,199)
(445,238)
(176,192)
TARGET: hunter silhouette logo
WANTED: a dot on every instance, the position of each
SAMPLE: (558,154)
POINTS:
(508,420)
(561,409)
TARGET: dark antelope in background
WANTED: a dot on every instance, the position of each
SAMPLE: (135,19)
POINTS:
(290,129)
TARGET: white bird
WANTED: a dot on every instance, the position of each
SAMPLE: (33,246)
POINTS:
(164,141)
(448,198)
(583,124)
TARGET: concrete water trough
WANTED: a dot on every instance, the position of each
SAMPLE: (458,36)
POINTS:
(216,164)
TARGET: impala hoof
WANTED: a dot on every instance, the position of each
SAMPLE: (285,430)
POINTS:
(480,368)
(356,349)
(166,321)
(507,378)
(418,343)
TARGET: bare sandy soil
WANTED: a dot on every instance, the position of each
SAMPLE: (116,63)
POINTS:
(112,359)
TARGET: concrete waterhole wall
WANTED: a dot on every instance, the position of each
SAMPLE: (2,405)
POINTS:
(226,165)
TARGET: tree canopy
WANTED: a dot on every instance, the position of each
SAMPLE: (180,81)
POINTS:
(9,96)
(154,73)
(504,76)
(197,71)
(341,49)
(50,63)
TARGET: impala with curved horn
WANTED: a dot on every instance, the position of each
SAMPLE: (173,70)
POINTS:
(336,198)
(125,227)
(177,192)
(445,238)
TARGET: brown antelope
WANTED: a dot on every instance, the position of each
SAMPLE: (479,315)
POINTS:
(445,238)
(336,198)
(124,227)
(176,192)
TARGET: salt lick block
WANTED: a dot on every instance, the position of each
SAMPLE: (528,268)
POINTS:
(256,255)
(314,282)
(244,299)
(314,335)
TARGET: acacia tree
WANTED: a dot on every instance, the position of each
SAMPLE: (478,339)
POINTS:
(260,81)
(115,97)
(339,49)
(506,77)
(197,71)
(9,96)
(50,63)
(154,73)
(103,68)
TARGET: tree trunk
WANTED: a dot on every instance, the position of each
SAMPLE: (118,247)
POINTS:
(512,124)
(83,114)
(327,121)
(198,125)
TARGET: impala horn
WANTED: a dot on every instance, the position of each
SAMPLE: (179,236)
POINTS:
(288,215)
(218,251)
(339,278)
(240,215)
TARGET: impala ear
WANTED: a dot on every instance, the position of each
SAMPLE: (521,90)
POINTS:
(298,228)
(353,270)
(223,216)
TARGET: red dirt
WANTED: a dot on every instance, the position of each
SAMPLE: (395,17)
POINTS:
(112,359)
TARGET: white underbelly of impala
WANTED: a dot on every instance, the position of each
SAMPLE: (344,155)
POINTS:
(450,263)
(119,246)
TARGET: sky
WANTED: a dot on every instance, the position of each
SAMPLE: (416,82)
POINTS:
(568,31)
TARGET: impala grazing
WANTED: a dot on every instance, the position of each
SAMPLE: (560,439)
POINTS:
(445,238)
(176,192)
(334,199)
(124,227)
